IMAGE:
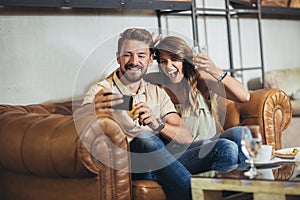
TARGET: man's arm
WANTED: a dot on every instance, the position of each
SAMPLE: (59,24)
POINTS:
(176,130)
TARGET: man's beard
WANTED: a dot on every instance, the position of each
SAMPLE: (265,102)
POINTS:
(132,78)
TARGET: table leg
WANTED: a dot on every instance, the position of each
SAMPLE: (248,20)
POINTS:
(206,194)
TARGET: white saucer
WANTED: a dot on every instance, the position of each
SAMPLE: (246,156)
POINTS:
(267,167)
(275,160)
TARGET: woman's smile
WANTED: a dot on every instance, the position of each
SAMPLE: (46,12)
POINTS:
(173,73)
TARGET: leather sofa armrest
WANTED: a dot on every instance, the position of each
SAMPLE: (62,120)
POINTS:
(268,108)
(105,143)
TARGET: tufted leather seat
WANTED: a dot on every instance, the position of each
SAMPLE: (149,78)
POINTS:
(47,151)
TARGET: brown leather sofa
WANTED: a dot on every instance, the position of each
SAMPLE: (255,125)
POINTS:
(44,155)
(286,79)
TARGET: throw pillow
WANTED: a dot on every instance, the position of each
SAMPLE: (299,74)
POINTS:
(296,95)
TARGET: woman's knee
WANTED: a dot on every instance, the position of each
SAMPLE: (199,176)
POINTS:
(228,150)
(235,134)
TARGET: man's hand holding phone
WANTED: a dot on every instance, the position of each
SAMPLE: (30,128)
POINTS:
(106,101)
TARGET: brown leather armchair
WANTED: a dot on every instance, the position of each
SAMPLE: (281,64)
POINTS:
(46,152)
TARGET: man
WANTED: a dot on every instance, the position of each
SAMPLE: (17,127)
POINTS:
(158,129)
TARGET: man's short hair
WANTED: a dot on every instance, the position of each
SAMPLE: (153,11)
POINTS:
(136,34)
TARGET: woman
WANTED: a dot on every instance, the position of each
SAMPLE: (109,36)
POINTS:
(193,84)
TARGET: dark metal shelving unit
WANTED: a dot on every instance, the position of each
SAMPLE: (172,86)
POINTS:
(269,11)
(105,4)
(256,11)
(245,9)
(227,13)
(239,9)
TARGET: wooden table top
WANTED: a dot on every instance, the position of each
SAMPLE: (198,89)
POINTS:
(277,181)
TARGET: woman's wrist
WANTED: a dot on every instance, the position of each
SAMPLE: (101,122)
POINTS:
(217,73)
(221,77)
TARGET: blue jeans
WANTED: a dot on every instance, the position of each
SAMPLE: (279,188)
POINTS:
(235,134)
(172,164)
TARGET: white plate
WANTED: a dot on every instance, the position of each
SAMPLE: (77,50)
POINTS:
(274,161)
(267,167)
(281,153)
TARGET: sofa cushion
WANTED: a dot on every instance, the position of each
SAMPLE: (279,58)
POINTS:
(147,189)
(285,79)
(296,107)
(295,95)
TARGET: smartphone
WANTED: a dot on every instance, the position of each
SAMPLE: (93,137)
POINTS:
(126,105)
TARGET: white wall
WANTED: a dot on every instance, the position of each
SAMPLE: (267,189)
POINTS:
(51,54)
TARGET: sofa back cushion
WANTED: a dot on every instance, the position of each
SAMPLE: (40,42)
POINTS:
(285,79)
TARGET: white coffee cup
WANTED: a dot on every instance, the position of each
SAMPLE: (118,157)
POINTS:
(265,153)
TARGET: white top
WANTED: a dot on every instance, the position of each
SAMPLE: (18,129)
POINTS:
(199,121)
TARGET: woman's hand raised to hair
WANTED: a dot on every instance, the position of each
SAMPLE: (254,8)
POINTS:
(202,62)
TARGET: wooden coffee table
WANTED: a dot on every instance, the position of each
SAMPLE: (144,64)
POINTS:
(284,185)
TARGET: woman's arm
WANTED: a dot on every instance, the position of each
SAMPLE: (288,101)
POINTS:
(229,87)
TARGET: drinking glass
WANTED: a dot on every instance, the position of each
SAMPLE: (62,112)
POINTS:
(136,99)
(203,49)
(196,49)
(251,145)
(200,49)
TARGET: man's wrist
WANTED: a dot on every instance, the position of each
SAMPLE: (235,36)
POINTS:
(161,125)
